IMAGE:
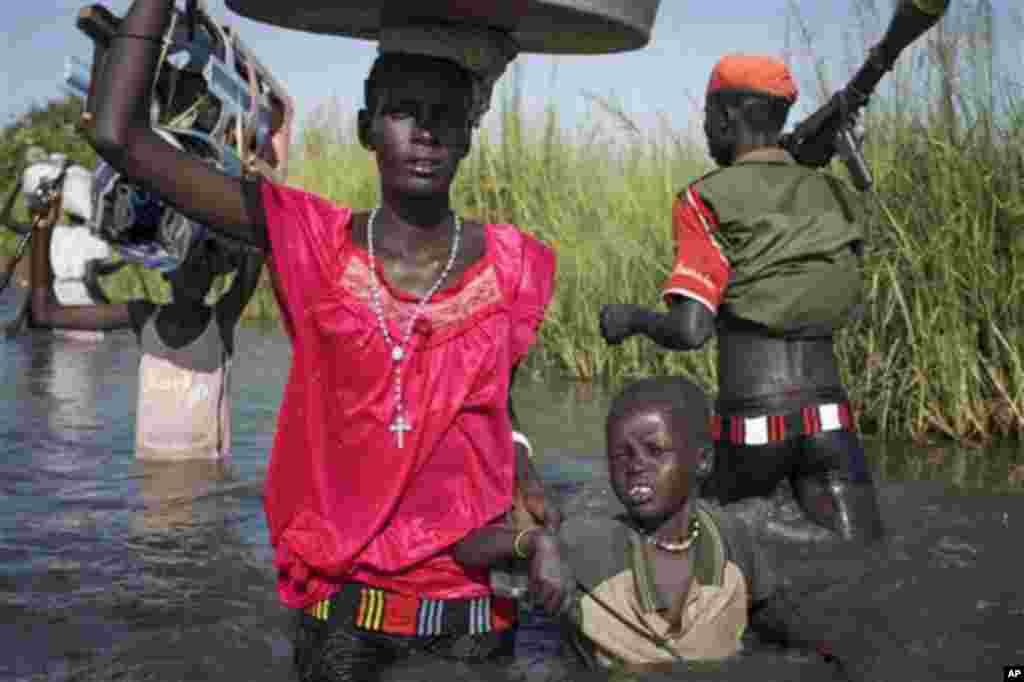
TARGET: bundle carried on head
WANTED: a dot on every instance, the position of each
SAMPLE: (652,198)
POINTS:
(211,98)
(481,36)
(482,51)
(541,26)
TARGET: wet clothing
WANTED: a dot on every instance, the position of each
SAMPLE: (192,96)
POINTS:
(343,652)
(184,408)
(827,471)
(803,432)
(772,248)
(777,428)
(344,503)
(771,242)
(620,618)
(359,628)
(760,374)
(376,610)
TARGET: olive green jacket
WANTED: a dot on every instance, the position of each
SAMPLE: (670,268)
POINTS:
(792,237)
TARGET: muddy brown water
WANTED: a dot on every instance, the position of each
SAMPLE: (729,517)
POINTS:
(111,569)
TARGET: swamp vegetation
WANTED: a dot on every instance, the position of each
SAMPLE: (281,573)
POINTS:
(939,349)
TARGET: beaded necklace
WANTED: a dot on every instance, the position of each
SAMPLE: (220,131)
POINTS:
(676,547)
(399,424)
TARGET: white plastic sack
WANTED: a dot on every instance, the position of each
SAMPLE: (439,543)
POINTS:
(77,184)
(71,247)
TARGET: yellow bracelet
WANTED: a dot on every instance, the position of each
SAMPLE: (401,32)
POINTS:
(519,554)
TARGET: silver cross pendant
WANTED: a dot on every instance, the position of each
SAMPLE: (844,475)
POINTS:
(398,427)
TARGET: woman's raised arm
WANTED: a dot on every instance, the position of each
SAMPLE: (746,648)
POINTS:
(122,133)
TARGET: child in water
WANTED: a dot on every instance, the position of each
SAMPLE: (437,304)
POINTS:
(183,404)
(675,579)
(688,578)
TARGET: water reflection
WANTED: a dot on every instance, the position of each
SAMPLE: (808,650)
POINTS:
(994,469)
(172,491)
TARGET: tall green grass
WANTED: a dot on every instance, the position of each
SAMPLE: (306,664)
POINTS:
(939,349)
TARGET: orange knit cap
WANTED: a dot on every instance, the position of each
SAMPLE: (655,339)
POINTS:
(755,73)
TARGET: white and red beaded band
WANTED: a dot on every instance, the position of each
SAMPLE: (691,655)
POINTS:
(524,441)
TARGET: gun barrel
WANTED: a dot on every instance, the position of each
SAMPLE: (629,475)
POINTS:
(912,19)
(817,138)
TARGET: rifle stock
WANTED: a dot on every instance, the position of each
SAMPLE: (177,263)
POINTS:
(828,131)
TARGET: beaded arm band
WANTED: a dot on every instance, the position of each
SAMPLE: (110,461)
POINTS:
(524,441)
(519,553)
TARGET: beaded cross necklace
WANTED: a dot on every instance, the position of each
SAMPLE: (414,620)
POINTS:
(399,424)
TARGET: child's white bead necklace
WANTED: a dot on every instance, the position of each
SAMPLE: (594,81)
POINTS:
(399,425)
(677,547)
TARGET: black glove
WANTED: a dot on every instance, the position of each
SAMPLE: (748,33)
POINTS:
(617,322)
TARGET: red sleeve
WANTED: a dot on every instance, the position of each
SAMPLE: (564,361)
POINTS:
(701,271)
(536,287)
(275,282)
(306,233)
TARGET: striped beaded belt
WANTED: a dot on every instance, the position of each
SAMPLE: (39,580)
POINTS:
(370,608)
(774,428)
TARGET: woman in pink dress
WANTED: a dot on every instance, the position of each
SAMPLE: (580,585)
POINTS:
(395,436)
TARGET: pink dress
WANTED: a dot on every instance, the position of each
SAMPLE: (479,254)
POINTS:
(343,501)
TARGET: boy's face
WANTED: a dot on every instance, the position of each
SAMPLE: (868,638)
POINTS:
(652,462)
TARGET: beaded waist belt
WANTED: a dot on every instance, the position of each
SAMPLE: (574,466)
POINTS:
(766,429)
(370,608)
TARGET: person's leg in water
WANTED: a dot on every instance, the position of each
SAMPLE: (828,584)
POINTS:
(344,653)
(750,478)
(336,654)
(748,470)
(785,414)
(828,473)
(833,485)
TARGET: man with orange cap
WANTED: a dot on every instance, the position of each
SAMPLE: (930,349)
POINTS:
(767,255)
